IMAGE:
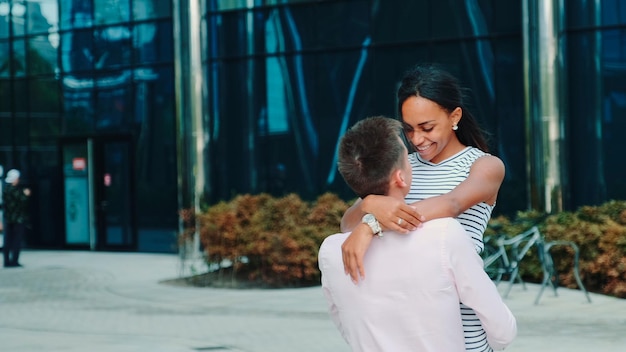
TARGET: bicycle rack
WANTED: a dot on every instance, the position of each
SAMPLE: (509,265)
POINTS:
(550,275)
(509,253)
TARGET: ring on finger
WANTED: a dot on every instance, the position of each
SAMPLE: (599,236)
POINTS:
(399,221)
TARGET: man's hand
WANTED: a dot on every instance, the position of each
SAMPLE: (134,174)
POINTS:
(353,250)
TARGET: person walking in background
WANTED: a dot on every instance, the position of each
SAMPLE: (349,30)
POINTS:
(15,203)
(453,175)
(410,300)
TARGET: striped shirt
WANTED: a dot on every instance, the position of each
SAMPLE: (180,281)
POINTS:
(431,180)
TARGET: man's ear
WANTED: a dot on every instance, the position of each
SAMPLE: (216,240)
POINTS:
(397,179)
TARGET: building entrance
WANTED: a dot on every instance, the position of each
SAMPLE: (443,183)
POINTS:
(98,193)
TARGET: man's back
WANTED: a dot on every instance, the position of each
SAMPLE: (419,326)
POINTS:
(409,300)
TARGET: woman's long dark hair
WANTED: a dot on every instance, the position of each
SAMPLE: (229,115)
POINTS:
(439,86)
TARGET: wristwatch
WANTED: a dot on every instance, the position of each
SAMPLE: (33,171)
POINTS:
(371,221)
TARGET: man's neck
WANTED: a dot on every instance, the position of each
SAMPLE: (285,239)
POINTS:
(397,193)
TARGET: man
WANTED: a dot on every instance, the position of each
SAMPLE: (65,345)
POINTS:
(15,203)
(410,299)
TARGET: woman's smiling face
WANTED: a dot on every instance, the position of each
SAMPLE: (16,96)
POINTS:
(429,128)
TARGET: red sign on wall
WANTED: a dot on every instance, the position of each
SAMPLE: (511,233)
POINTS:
(79,164)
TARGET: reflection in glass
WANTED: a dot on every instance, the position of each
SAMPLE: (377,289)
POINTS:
(276,80)
(4,20)
(113,105)
(5,103)
(49,10)
(44,94)
(144,43)
(613,12)
(112,47)
(42,57)
(77,52)
(149,9)
(78,107)
(18,18)
(36,20)
(112,11)
(155,129)
(18,61)
(76,14)
(5,59)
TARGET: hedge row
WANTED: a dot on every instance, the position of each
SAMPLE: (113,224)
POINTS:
(274,242)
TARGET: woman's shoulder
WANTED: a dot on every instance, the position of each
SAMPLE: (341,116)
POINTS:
(473,154)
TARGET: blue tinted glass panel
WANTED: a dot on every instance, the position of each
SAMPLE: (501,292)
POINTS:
(6,127)
(224,5)
(113,101)
(325,25)
(584,120)
(613,110)
(18,61)
(156,149)
(410,24)
(76,14)
(77,53)
(5,59)
(20,96)
(153,42)
(506,15)
(22,128)
(581,13)
(42,56)
(231,31)
(613,12)
(41,16)
(4,19)
(613,50)
(277,97)
(44,93)
(150,9)
(78,105)
(18,18)
(111,11)
(228,97)
(112,47)
(5,91)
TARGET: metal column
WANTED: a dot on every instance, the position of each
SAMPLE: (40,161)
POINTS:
(545,125)
(190,129)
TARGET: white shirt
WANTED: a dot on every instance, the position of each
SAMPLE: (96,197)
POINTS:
(409,299)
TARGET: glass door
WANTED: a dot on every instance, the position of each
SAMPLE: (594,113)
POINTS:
(78,193)
(98,192)
(114,206)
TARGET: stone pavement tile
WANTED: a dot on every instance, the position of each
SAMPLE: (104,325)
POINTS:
(566,322)
(96,301)
(66,301)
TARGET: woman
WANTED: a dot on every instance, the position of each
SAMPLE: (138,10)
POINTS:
(452,175)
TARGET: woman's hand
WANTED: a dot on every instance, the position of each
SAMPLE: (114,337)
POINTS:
(353,250)
(392,213)
(388,211)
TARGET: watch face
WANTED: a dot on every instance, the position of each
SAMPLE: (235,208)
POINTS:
(369,218)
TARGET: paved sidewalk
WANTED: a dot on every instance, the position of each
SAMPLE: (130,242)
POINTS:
(95,301)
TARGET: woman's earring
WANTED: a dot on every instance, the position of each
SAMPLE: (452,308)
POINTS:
(455,127)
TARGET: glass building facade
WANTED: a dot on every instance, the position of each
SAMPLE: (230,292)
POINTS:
(120,112)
